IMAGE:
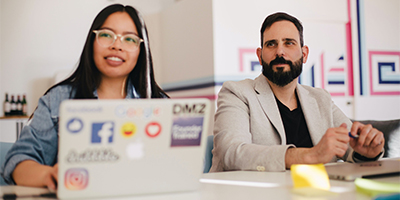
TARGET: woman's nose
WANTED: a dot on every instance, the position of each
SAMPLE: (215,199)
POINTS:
(117,45)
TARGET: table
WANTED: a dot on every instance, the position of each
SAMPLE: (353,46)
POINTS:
(245,185)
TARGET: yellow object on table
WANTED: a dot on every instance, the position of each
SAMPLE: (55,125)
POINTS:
(310,180)
(314,176)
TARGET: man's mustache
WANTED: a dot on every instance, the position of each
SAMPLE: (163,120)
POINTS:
(280,60)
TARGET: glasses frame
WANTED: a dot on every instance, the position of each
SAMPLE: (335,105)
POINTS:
(116,36)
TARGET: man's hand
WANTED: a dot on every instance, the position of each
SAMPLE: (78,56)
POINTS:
(370,140)
(333,143)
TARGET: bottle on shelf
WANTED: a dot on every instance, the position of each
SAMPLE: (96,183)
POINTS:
(24,105)
(7,106)
(13,106)
(19,105)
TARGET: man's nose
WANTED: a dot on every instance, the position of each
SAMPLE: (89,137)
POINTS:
(280,50)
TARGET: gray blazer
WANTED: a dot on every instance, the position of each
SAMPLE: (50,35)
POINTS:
(248,129)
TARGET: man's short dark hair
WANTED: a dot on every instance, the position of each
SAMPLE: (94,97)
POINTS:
(280,16)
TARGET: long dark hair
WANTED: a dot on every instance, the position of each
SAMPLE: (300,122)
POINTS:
(86,77)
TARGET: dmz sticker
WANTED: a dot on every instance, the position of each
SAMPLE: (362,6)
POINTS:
(186,131)
(103,132)
(76,179)
(74,125)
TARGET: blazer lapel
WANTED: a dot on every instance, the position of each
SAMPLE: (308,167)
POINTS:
(267,102)
(311,113)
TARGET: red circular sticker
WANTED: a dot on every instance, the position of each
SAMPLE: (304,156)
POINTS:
(153,129)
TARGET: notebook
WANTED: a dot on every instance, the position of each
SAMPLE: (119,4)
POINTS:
(351,171)
(131,147)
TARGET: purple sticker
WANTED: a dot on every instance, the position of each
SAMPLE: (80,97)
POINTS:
(186,131)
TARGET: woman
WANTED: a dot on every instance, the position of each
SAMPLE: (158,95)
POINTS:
(115,64)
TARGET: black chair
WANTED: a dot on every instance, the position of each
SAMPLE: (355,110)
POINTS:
(208,155)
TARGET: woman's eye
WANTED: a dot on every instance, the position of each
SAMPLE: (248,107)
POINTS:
(131,40)
(105,35)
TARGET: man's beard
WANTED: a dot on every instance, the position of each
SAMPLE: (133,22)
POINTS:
(279,77)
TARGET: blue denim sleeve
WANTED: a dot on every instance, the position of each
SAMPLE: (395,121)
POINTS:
(38,140)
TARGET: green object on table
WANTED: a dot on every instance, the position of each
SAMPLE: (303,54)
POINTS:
(373,188)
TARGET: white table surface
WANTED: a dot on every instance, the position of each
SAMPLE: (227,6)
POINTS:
(245,185)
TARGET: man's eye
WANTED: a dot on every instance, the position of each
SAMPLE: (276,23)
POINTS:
(270,44)
(290,43)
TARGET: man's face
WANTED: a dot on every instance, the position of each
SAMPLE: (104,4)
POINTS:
(281,54)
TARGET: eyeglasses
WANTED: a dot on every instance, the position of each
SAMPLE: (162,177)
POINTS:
(106,38)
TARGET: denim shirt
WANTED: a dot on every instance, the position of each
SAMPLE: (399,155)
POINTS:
(38,140)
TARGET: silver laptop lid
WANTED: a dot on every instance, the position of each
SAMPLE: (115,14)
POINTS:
(351,171)
(127,147)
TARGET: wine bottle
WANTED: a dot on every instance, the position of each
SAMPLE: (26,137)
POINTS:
(24,106)
(19,105)
(13,106)
(7,106)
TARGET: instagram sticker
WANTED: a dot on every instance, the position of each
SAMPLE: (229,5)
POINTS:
(76,179)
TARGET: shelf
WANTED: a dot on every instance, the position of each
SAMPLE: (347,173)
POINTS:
(15,117)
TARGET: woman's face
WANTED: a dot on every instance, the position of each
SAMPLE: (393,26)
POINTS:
(115,62)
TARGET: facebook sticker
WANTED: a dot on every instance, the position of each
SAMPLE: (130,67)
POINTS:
(186,131)
(103,132)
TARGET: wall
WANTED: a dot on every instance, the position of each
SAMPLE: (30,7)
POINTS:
(377,61)
(187,45)
(193,55)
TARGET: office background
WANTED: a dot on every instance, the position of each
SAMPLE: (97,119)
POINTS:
(199,44)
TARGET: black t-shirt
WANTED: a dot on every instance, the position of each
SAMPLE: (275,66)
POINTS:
(295,125)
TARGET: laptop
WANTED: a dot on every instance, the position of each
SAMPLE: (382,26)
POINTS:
(131,147)
(350,171)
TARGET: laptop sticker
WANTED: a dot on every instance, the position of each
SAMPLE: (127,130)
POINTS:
(103,132)
(76,179)
(138,112)
(128,129)
(153,129)
(186,131)
(135,150)
(92,155)
(74,125)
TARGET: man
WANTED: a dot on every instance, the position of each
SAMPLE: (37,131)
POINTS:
(272,122)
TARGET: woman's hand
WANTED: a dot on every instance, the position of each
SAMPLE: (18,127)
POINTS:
(33,174)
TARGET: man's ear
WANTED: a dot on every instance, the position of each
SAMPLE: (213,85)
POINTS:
(259,52)
(305,51)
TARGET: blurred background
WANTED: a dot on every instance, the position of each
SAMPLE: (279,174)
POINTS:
(199,44)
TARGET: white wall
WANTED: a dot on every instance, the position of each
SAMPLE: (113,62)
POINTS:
(187,41)
(380,31)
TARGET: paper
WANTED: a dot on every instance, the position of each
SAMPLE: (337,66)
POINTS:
(311,176)
(373,188)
